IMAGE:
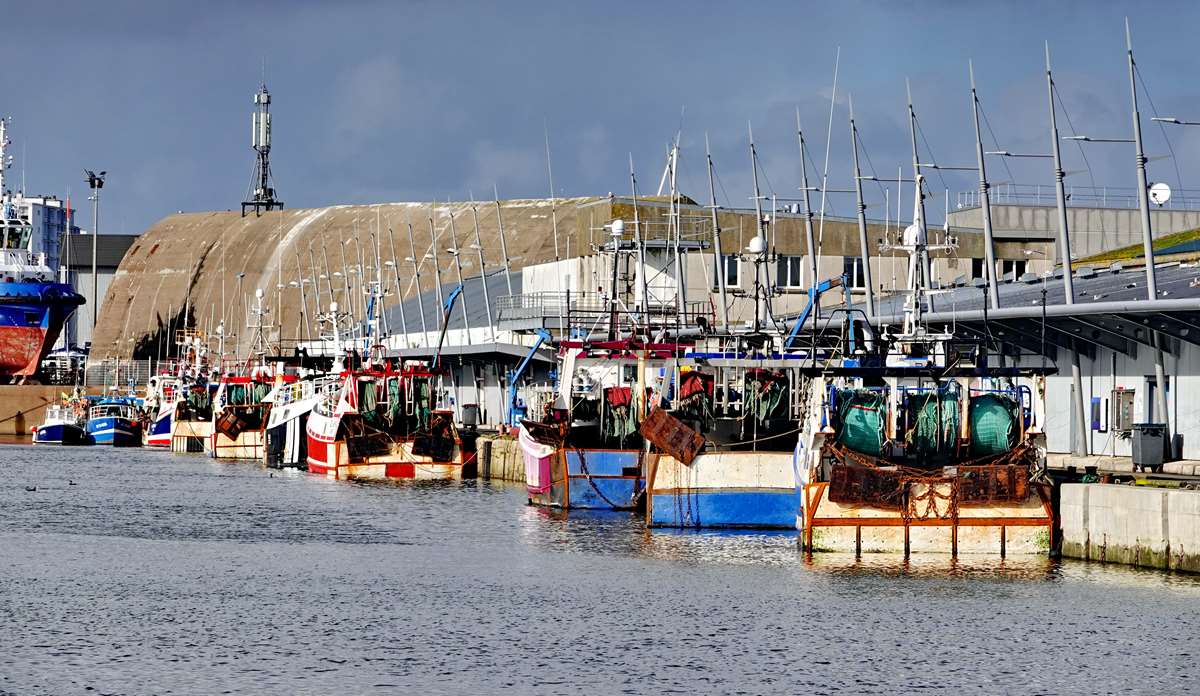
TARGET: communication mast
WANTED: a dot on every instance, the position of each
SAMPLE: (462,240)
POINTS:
(261,194)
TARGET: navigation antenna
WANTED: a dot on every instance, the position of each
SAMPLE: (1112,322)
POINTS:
(261,195)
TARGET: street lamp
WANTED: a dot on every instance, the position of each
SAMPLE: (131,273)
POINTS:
(95,182)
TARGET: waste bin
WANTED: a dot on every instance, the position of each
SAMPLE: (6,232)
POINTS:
(1149,443)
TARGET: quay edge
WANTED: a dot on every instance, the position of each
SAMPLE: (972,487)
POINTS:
(1134,525)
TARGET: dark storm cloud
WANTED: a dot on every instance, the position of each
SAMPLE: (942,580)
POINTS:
(421,101)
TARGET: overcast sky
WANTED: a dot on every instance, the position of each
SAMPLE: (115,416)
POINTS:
(396,101)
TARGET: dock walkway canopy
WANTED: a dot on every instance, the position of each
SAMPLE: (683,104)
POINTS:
(1110,311)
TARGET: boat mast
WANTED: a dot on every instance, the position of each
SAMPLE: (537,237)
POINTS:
(640,244)
(553,202)
(674,231)
(1080,436)
(809,236)
(926,267)
(863,244)
(759,238)
(487,299)
(458,270)
(503,243)
(985,204)
(412,246)
(1160,377)
(399,290)
(718,259)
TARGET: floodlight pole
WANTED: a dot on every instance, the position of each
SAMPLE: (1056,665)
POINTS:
(95,182)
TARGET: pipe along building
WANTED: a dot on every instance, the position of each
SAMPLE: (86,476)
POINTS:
(204,271)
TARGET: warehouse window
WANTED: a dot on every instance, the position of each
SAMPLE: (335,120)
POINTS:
(852,269)
(789,272)
(1012,270)
(732,266)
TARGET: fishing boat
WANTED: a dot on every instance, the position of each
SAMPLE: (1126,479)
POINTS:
(115,421)
(585,451)
(239,407)
(921,443)
(167,391)
(239,415)
(65,424)
(162,395)
(378,422)
(747,417)
(192,420)
(286,428)
(33,308)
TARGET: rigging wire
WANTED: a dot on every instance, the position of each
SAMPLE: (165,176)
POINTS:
(932,159)
(995,141)
(1070,124)
(1162,127)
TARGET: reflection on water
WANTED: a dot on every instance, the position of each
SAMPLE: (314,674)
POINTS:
(132,571)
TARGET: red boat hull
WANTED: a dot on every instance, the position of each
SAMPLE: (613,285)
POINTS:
(22,349)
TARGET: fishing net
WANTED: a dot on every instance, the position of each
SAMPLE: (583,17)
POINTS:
(619,419)
(764,395)
(993,420)
(394,401)
(861,414)
(934,437)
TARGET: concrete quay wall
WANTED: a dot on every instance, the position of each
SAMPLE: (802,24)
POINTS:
(22,406)
(500,459)
(1141,526)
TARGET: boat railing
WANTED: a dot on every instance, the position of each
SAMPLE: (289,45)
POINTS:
(588,309)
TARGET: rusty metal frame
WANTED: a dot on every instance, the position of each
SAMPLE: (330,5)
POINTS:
(815,492)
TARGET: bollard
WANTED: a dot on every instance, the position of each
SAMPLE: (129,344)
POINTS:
(485,459)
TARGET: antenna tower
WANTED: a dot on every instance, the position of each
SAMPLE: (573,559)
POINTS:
(261,195)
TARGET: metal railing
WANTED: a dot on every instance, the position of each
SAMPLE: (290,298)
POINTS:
(119,373)
(588,309)
(1122,198)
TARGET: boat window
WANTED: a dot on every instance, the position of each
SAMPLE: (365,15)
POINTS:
(26,233)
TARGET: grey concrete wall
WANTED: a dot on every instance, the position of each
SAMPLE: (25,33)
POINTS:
(1093,230)
(1152,527)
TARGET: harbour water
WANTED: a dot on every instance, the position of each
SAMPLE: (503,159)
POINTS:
(138,572)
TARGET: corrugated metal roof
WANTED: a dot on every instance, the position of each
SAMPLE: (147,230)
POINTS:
(471,298)
(110,249)
(1174,281)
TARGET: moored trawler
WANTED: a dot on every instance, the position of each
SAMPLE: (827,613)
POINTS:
(286,428)
(744,476)
(938,459)
(162,395)
(915,442)
(239,416)
(590,455)
(380,423)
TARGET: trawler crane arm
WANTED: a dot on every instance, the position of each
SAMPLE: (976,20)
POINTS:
(513,377)
(449,305)
(814,299)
